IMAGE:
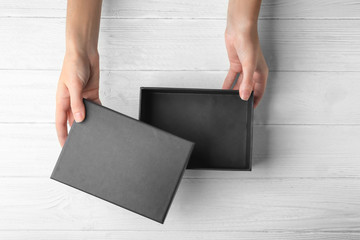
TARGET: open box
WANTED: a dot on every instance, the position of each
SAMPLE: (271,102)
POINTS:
(217,121)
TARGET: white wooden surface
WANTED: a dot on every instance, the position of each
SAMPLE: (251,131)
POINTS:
(305,182)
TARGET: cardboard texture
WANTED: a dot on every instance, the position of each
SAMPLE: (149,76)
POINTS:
(217,121)
(123,161)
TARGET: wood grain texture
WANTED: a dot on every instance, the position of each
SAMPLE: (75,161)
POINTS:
(291,97)
(186,9)
(249,205)
(184,44)
(176,235)
(305,182)
(279,152)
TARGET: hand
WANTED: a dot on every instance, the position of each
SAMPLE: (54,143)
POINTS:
(245,56)
(79,79)
(80,72)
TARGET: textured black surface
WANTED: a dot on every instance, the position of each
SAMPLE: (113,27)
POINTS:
(123,161)
(217,121)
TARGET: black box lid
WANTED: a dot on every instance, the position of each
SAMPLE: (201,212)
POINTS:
(123,161)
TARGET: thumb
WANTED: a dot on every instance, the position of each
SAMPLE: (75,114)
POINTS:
(247,83)
(77,104)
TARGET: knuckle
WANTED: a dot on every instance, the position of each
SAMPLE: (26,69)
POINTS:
(75,84)
(249,65)
(76,104)
(246,87)
(264,74)
(266,71)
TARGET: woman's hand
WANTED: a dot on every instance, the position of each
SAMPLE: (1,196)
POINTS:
(79,79)
(80,72)
(244,51)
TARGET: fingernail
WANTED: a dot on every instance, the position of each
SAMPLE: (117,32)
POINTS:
(244,95)
(78,117)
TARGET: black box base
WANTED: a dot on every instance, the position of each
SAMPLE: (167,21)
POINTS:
(217,121)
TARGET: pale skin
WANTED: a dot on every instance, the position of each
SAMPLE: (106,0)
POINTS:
(79,77)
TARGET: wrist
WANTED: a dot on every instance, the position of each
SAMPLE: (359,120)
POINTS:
(77,48)
(81,45)
(77,53)
(241,23)
(242,30)
(243,15)
(241,26)
(82,26)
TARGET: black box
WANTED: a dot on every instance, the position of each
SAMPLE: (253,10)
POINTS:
(217,121)
(123,161)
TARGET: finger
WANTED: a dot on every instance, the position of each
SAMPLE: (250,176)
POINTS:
(76,101)
(93,99)
(259,90)
(97,100)
(247,82)
(62,106)
(92,95)
(230,77)
(70,118)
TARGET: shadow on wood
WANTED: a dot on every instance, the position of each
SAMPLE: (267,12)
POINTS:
(260,146)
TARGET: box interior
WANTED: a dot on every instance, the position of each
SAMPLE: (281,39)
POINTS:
(217,121)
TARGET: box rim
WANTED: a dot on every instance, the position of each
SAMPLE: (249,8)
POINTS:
(249,113)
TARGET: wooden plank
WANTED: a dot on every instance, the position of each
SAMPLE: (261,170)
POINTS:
(31,150)
(184,44)
(200,205)
(28,96)
(175,235)
(291,97)
(186,9)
